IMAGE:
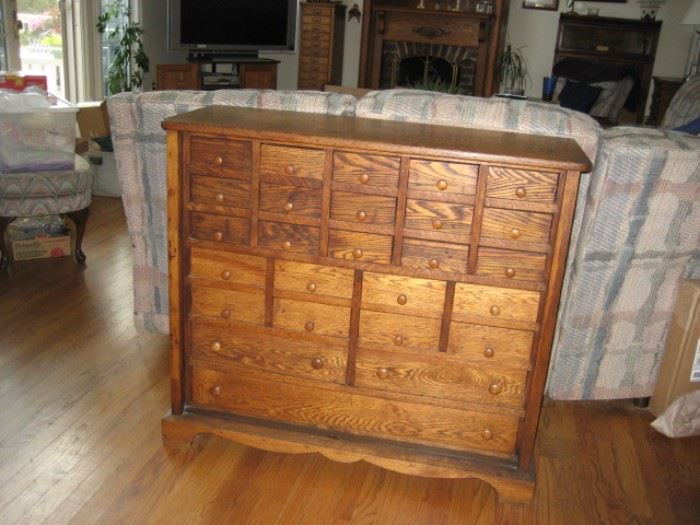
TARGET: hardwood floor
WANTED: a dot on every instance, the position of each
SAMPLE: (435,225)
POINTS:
(83,393)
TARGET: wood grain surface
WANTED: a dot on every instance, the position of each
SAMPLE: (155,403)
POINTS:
(81,440)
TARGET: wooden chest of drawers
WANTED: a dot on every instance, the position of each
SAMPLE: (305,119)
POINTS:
(321,44)
(366,289)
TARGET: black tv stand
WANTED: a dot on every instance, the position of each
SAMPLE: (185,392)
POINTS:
(222,56)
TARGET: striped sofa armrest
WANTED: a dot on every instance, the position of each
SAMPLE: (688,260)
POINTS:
(640,237)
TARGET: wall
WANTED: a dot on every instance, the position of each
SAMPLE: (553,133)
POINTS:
(154,23)
(536,31)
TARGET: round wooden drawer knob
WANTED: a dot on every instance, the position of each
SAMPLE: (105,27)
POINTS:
(486,434)
(515,233)
(215,346)
(289,169)
(510,273)
(317,363)
(434,264)
(287,245)
(361,216)
(309,326)
(218,236)
(364,178)
(520,192)
(495,388)
(226,275)
(488,352)
(215,390)
(219,197)
(398,340)
(225,313)
(219,161)
(357,253)
(311,287)
(441,185)
(402,299)
(382,373)
(437,224)
(288,207)
(495,310)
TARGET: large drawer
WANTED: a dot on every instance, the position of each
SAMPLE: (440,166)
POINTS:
(497,305)
(363,209)
(346,410)
(292,238)
(234,305)
(429,255)
(443,177)
(372,172)
(220,228)
(403,295)
(521,185)
(513,225)
(382,330)
(439,378)
(490,346)
(290,161)
(317,359)
(222,158)
(313,280)
(227,267)
(217,191)
(312,318)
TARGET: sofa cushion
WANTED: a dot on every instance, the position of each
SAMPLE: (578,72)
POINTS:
(684,106)
(692,127)
(579,96)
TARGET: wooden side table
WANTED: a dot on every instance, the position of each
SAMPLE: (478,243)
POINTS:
(664,90)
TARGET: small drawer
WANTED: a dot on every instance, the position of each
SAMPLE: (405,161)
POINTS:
(292,201)
(403,295)
(313,50)
(439,217)
(313,280)
(442,177)
(428,255)
(310,27)
(310,63)
(524,226)
(312,318)
(315,10)
(292,238)
(368,171)
(381,330)
(227,267)
(314,37)
(291,162)
(217,191)
(232,305)
(271,353)
(222,158)
(220,228)
(363,209)
(521,185)
(509,264)
(490,345)
(499,304)
(436,377)
(363,247)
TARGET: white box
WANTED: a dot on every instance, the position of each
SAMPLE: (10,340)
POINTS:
(106,181)
(38,139)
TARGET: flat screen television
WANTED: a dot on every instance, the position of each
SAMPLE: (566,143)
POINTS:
(231,26)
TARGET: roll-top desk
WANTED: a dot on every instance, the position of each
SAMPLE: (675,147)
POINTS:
(366,289)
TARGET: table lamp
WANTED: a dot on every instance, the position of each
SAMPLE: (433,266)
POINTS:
(692,17)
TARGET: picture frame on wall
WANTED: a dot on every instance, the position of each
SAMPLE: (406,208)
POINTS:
(551,5)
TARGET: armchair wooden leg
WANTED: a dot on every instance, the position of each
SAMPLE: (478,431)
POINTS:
(79,218)
(4,261)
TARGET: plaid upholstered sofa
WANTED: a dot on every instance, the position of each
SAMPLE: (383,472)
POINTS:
(636,231)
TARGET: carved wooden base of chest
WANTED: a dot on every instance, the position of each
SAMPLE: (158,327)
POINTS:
(512,486)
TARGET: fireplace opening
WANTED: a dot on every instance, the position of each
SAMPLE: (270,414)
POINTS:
(423,72)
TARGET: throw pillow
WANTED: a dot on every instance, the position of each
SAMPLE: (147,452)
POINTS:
(692,127)
(579,96)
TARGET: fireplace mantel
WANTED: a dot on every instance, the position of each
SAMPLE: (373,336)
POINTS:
(387,26)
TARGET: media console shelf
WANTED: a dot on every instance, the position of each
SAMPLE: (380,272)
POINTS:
(219,73)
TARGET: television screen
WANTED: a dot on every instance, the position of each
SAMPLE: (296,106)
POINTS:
(234,24)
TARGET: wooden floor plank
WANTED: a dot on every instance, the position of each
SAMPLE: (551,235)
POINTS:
(80,442)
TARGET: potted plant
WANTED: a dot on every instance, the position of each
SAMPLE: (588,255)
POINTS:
(130,61)
(511,71)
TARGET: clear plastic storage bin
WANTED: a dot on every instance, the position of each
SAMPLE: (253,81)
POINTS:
(38,139)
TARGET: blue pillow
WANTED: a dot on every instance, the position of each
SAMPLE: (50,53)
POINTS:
(692,127)
(579,96)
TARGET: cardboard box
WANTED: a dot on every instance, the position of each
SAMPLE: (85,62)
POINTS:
(106,181)
(93,119)
(20,82)
(41,248)
(679,373)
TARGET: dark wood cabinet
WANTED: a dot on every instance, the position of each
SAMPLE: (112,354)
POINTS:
(664,90)
(250,73)
(385,293)
(614,42)
(321,45)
